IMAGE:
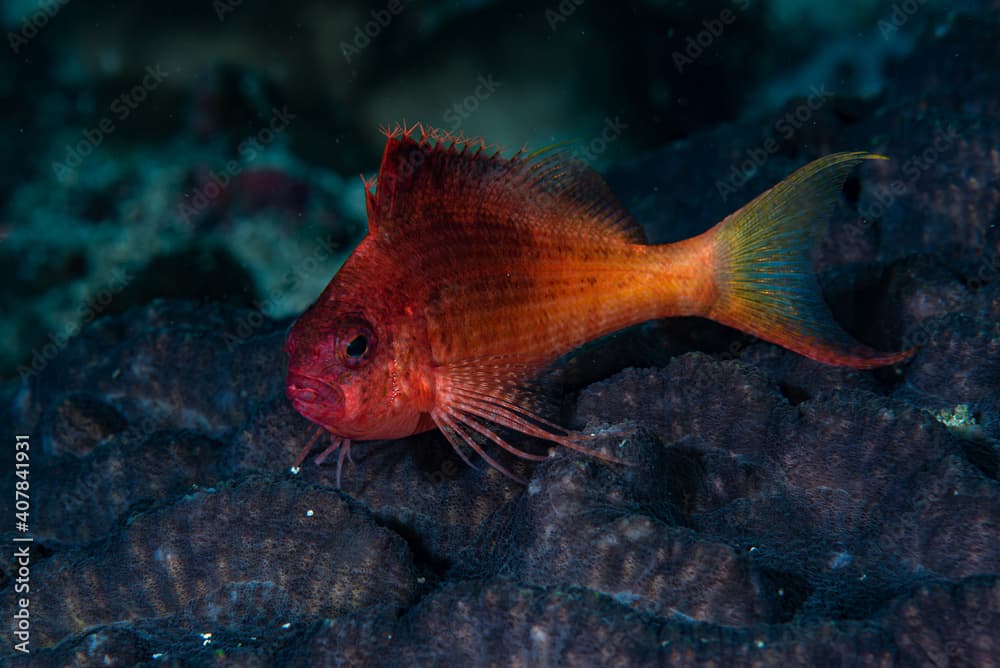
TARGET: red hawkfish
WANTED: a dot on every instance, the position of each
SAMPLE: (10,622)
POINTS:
(479,271)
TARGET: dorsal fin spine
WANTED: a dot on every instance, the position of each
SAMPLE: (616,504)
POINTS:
(459,178)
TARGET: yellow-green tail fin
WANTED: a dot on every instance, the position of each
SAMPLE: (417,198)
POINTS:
(764,272)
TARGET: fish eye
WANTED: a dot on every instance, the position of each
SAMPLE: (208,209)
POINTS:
(358,346)
(355,342)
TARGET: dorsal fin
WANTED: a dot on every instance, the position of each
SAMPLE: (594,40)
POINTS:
(430,177)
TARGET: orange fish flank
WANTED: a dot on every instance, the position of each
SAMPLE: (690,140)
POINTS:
(479,271)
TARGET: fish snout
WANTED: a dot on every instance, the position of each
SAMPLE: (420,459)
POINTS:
(311,396)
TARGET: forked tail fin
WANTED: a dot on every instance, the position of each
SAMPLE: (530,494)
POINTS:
(764,273)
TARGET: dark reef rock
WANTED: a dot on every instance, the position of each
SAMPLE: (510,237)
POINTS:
(79,422)
(134,364)
(948,624)
(418,486)
(234,557)
(636,551)
(89,495)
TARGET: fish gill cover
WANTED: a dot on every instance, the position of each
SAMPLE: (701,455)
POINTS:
(181,185)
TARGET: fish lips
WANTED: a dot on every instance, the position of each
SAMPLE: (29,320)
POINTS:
(314,398)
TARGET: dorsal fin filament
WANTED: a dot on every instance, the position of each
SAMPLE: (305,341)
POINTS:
(430,178)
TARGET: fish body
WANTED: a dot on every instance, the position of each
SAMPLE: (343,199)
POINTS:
(479,271)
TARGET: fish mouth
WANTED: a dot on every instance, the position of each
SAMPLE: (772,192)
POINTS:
(314,398)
